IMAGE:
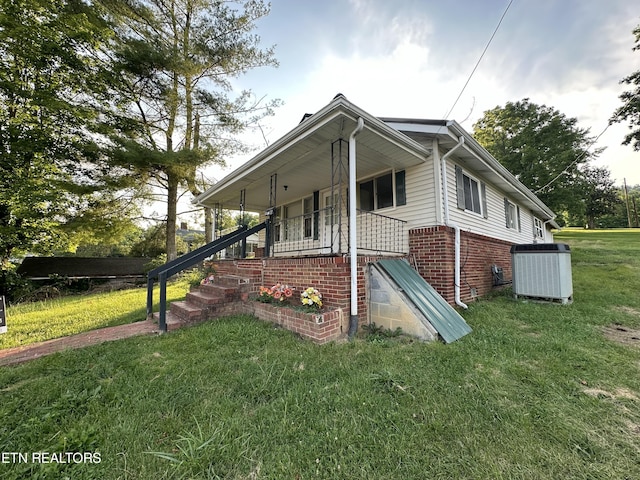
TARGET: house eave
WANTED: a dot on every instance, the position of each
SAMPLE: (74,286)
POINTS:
(342,114)
(500,175)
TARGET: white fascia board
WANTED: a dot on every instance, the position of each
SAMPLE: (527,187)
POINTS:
(339,106)
(417,127)
(301,131)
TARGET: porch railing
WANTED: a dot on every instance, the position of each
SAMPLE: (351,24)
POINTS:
(381,234)
(318,231)
(302,233)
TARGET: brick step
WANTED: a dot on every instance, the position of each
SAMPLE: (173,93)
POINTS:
(219,290)
(231,280)
(173,321)
(187,311)
(203,299)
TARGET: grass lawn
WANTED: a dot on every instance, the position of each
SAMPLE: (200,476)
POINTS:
(536,391)
(35,322)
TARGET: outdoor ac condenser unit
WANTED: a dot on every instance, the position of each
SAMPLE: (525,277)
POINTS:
(543,271)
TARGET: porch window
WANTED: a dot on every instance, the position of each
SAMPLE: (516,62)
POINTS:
(384,191)
(471,194)
(367,196)
(512,215)
(379,192)
(308,219)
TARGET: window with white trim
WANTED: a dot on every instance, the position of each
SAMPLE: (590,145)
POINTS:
(471,193)
(538,228)
(512,215)
(384,191)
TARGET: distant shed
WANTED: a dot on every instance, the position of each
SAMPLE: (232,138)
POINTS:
(75,268)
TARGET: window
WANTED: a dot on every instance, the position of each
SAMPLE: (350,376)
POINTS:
(307,223)
(512,215)
(298,220)
(379,192)
(367,196)
(472,194)
(538,228)
(384,191)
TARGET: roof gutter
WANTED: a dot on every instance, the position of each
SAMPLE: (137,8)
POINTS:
(353,233)
(449,223)
(339,106)
(480,152)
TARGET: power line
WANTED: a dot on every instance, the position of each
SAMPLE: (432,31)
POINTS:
(479,59)
(584,152)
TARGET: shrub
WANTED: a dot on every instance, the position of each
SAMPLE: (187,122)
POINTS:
(12,285)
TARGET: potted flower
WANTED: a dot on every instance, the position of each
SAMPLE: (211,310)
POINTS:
(311,298)
(279,293)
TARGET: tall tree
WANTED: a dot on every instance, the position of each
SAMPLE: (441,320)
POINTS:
(173,111)
(542,147)
(600,196)
(50,167)
(630,111)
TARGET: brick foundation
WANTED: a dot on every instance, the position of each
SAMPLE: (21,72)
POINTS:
(431,247)
(330,274)
(433,250)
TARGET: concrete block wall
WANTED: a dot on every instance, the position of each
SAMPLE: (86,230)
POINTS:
(389,308)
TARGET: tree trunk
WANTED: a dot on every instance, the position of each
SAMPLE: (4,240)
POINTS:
(172,211)
(208,224)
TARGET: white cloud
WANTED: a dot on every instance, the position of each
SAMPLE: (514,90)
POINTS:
(412,58)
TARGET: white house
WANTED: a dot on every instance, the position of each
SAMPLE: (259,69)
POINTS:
(415,188)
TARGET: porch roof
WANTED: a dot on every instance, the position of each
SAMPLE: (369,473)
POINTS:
(302,158)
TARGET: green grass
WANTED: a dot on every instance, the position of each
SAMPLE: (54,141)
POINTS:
(534,392)
(39,321)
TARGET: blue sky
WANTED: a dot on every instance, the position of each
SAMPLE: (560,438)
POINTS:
(411,58)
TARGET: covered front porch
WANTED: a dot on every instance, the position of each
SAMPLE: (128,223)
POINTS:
(326,185)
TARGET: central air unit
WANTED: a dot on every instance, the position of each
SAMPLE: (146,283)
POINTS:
(542,270)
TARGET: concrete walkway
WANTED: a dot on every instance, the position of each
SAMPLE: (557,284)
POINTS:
(11,356)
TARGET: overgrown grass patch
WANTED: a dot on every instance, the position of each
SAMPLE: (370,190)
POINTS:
(535,391)
(39,321)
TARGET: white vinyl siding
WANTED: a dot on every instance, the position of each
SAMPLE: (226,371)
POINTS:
(420,191)
(494,225)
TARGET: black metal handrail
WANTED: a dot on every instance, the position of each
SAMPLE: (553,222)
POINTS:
(163,272)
